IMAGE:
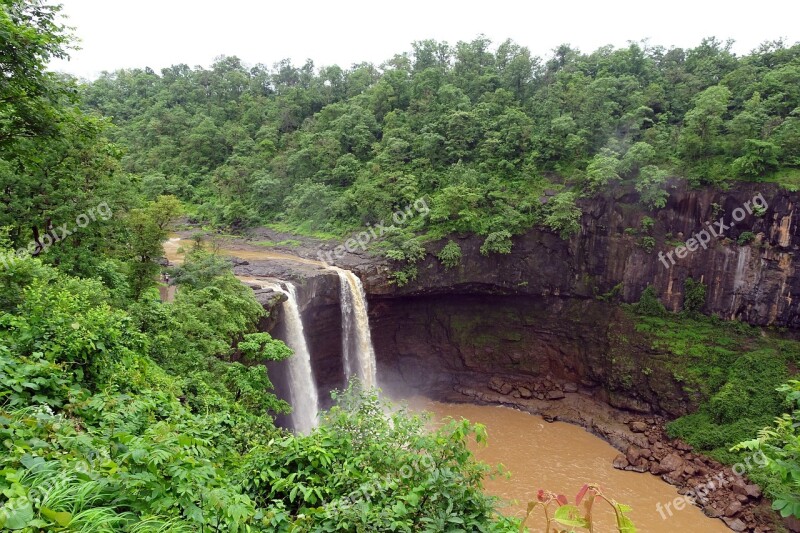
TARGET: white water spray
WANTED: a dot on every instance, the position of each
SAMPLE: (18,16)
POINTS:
(359,355)
(303,387)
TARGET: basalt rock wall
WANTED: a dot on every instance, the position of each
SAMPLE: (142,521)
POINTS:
(756,282)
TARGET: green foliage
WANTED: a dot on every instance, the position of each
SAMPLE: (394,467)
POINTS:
(647,224)
(450,255)
(404,275)
(96,432)
(760,157)
(602,170)
(31,38)
(649,304)
(745,237)
(780,445)
(651,185)
(480,131)
(147,228)
(365,470)
(694,296)
(563,215)
(647,243)
(613,295)
(572,516)
(731,371)
(638,156)
(498,242)
(405,249)
(111,437)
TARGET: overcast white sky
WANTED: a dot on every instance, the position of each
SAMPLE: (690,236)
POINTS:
(127,33)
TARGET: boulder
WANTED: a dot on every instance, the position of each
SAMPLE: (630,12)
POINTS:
(641,466)
(555,395)
(633,454)
(525,392)
(753,491)
(620,462)
(739,487)
(671,463)
(735,524)
(498,384)
(638,426)
(732,509)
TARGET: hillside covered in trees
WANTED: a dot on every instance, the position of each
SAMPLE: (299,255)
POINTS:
(478,130)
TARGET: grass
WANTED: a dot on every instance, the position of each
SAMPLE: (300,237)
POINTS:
(787,178)
(290,243)
(733,368)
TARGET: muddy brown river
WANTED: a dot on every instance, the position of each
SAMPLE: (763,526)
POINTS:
(562,457)
(555,456)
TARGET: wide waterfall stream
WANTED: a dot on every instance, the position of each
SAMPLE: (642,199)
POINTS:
(556,456)
(356,340)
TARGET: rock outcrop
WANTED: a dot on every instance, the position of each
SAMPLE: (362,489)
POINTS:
(756,282)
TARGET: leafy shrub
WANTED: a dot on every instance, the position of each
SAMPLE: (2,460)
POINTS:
(780,445)
(602,169)
(760,157)
(572,516)
(694,296)
(404,275)
(450,255)
(647,243)
(366,470)
(649,304)
(563,214)
(497,242)
(745,237)
(651,186)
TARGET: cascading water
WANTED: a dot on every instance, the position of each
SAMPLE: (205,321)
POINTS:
(359,356)
(303,387)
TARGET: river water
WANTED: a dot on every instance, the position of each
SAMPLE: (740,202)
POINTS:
(555,456)
(562,457)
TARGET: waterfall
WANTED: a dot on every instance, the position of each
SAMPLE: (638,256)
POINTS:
(359,356)
(305,404)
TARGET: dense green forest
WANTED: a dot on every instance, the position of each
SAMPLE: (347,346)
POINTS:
(479,131)
(119,412)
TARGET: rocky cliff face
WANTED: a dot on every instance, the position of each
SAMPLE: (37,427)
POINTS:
(755,282)
(539,314)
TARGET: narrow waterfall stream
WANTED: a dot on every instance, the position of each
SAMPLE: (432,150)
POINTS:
(303,387)
(357,350)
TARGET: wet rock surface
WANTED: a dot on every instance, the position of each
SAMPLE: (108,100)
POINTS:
(756,283)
